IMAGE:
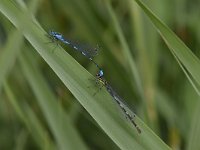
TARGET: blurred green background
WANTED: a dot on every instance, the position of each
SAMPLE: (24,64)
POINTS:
(151,82)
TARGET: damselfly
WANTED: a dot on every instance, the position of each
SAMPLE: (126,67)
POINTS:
(83,49)
(117,98)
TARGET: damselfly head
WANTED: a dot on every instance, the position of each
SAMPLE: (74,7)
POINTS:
(100,74)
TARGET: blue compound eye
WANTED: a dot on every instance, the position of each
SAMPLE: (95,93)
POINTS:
(101,73)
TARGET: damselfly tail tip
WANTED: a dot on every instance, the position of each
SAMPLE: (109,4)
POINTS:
(136,126)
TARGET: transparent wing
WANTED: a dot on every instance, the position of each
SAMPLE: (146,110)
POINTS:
(127,112)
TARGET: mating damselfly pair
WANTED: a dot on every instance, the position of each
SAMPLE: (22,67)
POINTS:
(90,53)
